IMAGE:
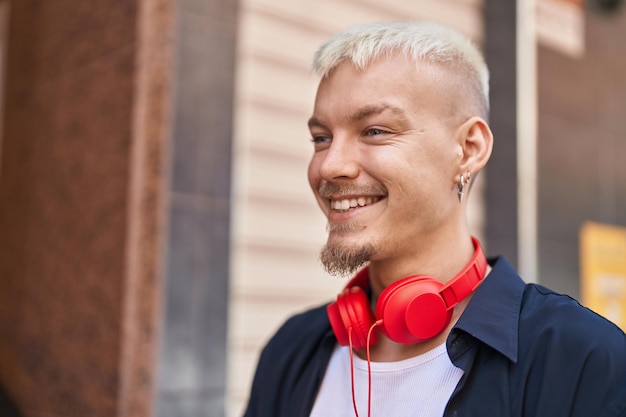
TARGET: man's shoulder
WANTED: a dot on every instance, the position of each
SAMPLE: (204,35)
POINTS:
(573,352)
(303,329)
(560,319)
(291,363)
(305,324)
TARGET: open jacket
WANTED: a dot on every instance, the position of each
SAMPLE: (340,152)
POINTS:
(525,352)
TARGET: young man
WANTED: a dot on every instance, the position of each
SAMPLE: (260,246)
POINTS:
(427,327)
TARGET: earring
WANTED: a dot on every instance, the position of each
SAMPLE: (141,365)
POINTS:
(462,183)
(461,187)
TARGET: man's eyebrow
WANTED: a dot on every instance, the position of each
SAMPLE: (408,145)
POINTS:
(363,113)
(315,122)
(370,110)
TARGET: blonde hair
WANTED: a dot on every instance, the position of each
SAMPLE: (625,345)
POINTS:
(421,41)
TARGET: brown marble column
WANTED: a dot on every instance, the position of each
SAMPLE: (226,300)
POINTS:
(87,108)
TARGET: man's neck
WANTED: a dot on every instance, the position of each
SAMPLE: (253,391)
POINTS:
(440,261)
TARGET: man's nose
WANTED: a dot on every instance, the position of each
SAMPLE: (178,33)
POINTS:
(340,161)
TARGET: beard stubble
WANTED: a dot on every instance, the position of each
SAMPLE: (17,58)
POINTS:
(342,260)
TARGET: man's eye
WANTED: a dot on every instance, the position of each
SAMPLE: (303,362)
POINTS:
(320,139)
(374,132)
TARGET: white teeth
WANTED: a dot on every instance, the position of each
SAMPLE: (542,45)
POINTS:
(352,203)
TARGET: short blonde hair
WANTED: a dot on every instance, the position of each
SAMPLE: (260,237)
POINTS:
(422,41)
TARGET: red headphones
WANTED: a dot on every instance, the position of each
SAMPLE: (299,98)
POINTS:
(411,310)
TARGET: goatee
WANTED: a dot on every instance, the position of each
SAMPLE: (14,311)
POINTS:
(342,261)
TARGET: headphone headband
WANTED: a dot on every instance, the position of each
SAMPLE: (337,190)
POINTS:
(466,281)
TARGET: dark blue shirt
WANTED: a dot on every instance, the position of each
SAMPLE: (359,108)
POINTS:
(525,352)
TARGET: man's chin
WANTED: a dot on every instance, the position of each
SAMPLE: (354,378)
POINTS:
(340,259)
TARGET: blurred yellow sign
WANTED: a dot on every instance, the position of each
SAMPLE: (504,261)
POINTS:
(603,270)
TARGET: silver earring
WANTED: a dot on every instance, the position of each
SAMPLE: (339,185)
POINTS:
(461,186)
(462,183)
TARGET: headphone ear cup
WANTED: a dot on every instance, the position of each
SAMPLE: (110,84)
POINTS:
(412,310)
(352,312)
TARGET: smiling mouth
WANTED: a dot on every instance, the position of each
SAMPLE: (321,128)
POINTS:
(347,204)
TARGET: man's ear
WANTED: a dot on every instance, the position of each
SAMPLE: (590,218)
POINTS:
(476,143)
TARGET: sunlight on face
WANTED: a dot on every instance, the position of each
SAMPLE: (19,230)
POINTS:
(383,169)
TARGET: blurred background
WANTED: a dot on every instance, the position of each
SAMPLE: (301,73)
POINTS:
(156,225)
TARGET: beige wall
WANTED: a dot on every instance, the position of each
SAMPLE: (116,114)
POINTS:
(277,229)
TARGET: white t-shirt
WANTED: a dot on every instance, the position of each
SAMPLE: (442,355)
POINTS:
(416,387)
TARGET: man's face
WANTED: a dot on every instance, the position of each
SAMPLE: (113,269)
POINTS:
(384,169)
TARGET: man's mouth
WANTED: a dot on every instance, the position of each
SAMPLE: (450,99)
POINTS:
(347,204)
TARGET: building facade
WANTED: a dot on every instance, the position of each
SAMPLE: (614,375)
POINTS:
(156,221)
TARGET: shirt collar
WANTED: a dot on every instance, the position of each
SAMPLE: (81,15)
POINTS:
(492,315)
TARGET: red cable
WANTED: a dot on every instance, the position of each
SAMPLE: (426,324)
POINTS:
(369,368)
(352,371)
